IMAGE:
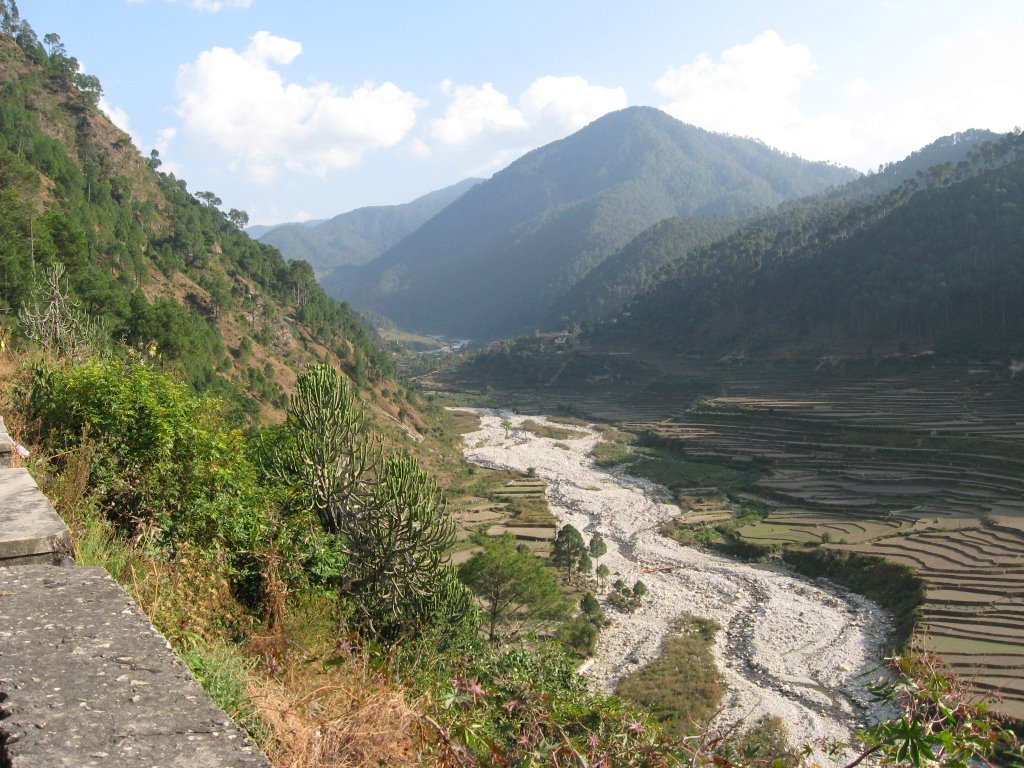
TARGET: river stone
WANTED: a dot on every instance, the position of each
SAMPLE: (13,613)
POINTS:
(85,680)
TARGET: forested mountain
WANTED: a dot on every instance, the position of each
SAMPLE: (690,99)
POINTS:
(953,149)
(643,262)
(639,266)
(152,264)
(936,263)
(495,261)
(359,236)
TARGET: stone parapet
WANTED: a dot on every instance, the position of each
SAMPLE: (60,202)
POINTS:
(6,446)
(31,531)
(85,680)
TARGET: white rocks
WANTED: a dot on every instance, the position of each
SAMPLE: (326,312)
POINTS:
(789,647)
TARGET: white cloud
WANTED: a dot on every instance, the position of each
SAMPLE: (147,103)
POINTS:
(748,92)
(967,80)
(209,6)
(117,116)
(213,6)
(242,105)
(484,128)
(474,111)
(566,104)
(266,48)
(164,139)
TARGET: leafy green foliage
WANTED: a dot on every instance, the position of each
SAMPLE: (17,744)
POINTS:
(516,589)
(939,723)
(168,459)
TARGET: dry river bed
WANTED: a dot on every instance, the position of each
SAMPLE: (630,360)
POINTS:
(797,649)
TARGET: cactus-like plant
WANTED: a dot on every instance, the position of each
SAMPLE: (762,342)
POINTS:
(331,458)
(389,518)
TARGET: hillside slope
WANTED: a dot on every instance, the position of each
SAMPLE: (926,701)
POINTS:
(495,261)
(646,260)
(158,267)
(938,262)
(359,236)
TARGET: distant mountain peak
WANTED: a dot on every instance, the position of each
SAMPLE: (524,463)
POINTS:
(496,261)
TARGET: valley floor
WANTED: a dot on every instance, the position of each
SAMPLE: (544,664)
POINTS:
(790,648)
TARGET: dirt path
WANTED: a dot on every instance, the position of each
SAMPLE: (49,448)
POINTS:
(790,647)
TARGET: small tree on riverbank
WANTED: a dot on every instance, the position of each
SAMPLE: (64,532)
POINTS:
(516,589)
(597,548)
(568,549)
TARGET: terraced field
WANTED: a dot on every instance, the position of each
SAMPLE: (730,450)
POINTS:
(919,460)
(925,470)
(516,506)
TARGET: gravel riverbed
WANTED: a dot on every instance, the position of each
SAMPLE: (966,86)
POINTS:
(797,649)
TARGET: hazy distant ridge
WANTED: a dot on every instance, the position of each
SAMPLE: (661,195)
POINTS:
(359,236)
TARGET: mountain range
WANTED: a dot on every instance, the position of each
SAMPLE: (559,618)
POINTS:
(497,260)
(357,237)
(934,261)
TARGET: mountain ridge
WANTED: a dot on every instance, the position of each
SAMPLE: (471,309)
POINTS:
(933,263)
(538,226)
(358,236)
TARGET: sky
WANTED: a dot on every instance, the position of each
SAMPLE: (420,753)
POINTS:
(303,109)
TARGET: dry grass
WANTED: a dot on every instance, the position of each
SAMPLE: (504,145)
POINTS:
(343,717)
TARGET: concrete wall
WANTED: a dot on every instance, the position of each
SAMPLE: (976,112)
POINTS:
(85,679)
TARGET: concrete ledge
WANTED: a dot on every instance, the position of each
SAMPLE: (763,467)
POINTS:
(85,680)
(6,446)
(30,528)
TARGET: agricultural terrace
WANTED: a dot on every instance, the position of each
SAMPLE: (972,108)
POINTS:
(924,468)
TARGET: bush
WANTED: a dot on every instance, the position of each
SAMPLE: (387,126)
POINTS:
(579,636)
(167,458)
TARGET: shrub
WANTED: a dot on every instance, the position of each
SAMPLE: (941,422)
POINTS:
(166,459)
(579,636)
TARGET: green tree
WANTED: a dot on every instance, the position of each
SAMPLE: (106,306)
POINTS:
(592,609)
(239,218)
(568,548)
(579,635)
(597,547)
(513,585)
(332,456)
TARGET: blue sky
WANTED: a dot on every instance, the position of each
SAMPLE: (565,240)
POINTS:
(308,108)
